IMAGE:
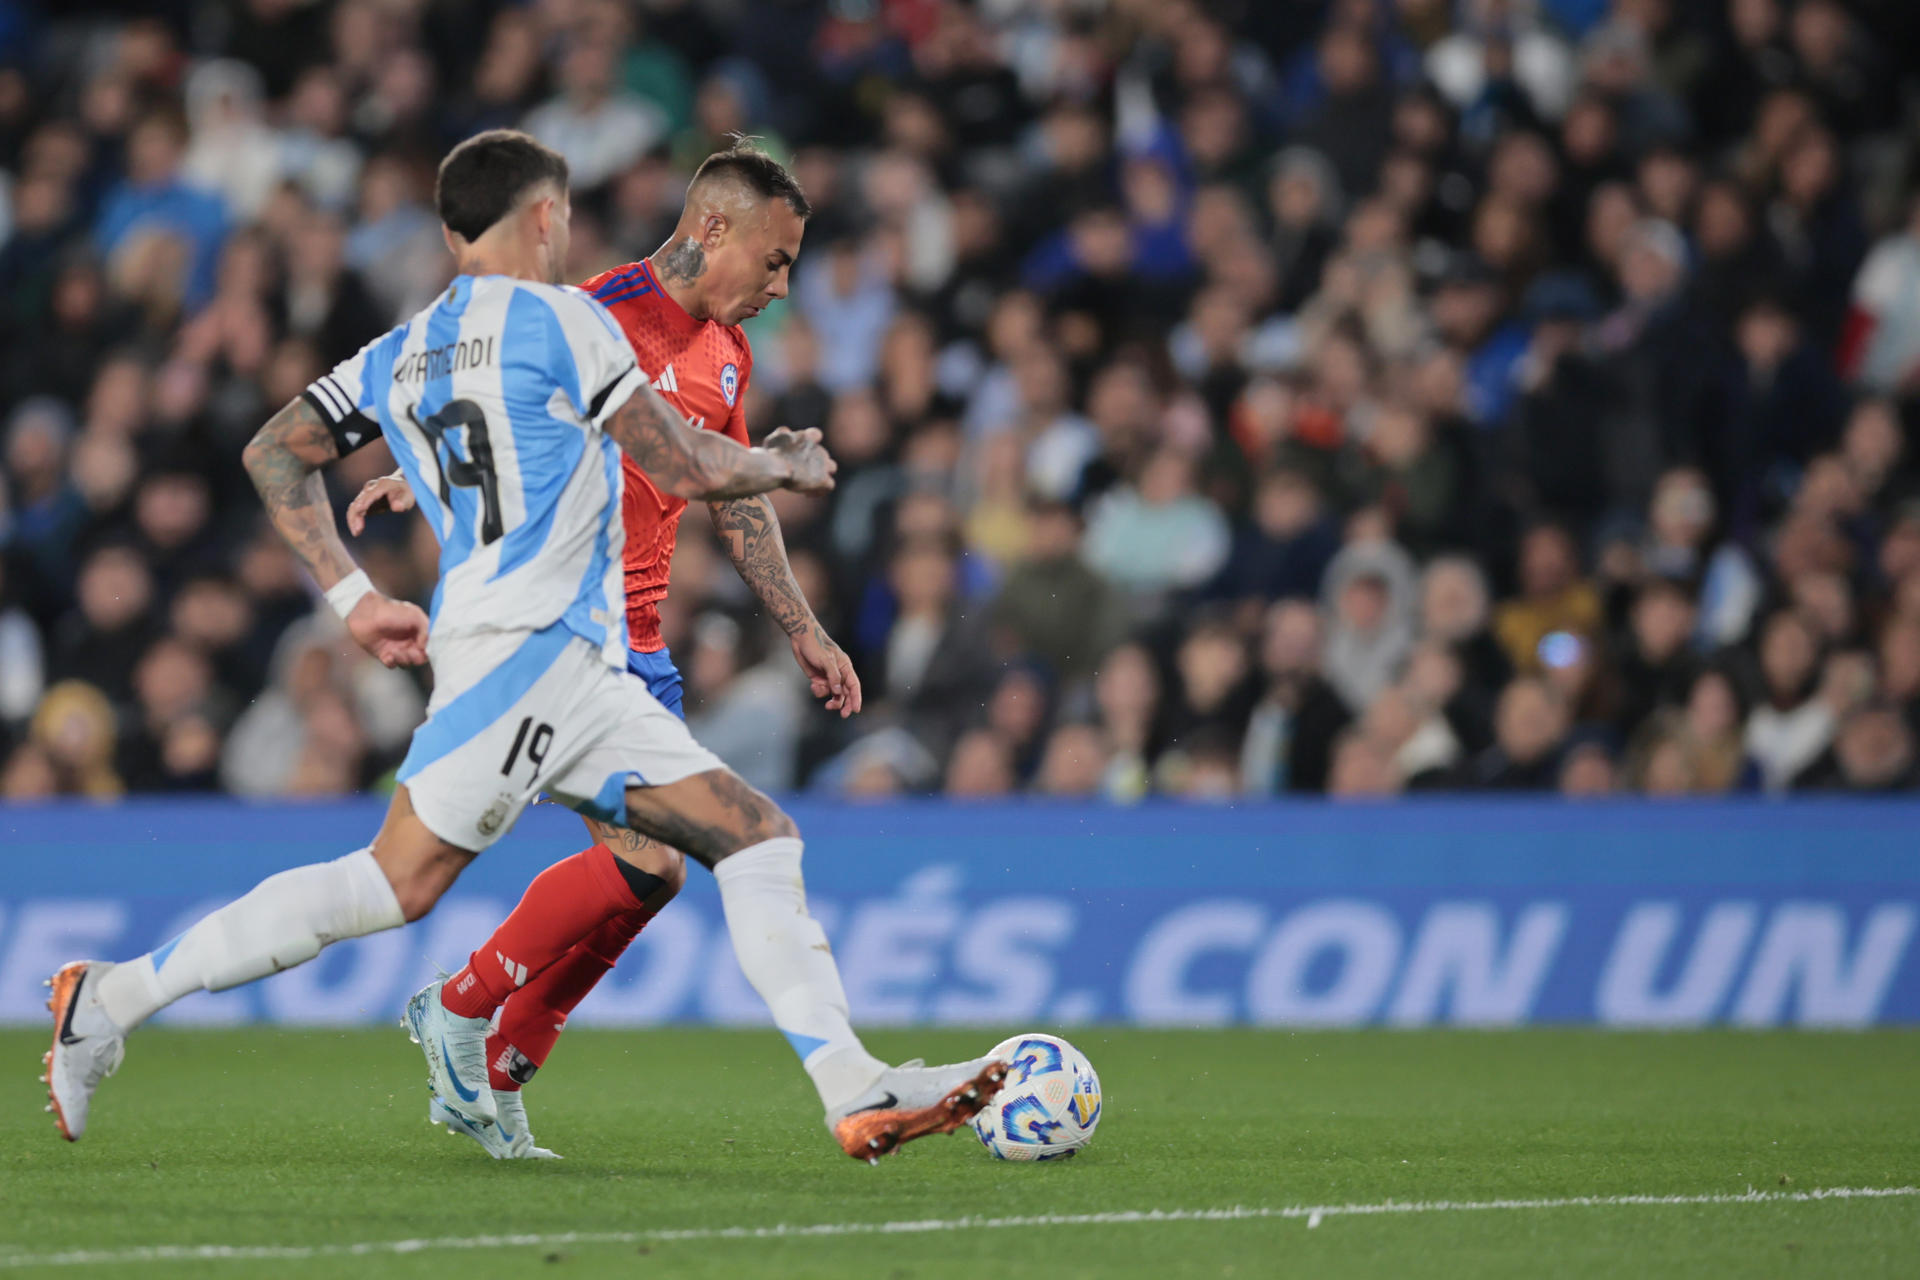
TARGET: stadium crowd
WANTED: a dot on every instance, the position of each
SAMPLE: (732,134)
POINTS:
(1352,396)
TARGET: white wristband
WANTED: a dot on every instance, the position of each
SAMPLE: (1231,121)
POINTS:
(349,591)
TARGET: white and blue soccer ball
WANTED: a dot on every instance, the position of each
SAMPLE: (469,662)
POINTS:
(1049,1105)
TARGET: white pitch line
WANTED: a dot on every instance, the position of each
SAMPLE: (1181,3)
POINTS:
(1314,1214)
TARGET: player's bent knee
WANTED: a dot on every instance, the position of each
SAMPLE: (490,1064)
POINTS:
(673,875)
(420,880)
(779,825)
(417,899)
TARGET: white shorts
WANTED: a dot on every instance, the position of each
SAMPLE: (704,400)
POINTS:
(516,714)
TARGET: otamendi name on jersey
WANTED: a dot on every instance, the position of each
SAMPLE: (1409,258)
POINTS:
(443,362)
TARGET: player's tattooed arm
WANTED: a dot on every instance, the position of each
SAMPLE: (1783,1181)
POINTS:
(750,531)
(284,461)
(705,464)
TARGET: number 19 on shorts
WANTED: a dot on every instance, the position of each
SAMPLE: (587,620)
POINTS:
(536,744)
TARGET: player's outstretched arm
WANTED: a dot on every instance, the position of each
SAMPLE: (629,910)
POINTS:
(284,460)
(750,531)
(705,464)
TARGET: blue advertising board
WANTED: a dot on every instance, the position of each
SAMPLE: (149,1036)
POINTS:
(1408,914)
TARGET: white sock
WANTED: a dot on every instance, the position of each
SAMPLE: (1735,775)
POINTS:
(784,954)
(283,922)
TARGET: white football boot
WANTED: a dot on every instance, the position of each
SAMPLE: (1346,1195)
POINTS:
(912,1101)
(508,1138)
(76,1064)
(456,1053)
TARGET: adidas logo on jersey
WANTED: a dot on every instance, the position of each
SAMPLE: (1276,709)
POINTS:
(666,381)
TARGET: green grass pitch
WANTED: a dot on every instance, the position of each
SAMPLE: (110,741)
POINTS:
(305,1139)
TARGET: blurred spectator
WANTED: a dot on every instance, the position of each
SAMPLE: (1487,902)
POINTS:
(1361,768)
(845,292)
(45,511)
(1658,666)
(109,628)
(1881,348)
(1158,532)
(1791,726)
(934,660)
(1455,612)
(1074,763)
(321,300)
(1290,735)
(1369,602)
(1529,726)
(1127,697)
(154,204)
(327,706)
(1414,736)
(23,668)
(1874,752)
(751,717)
(1284,549)
(71,745)
(592,121)
(1212,694)
(1505,57)
(1554,598)
(1352,122)
(1588,772)
(1303,199)
(1708,735)
(981,767)
(232,152)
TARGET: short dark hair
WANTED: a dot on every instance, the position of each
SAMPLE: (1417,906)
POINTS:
(759,172)
(483,178)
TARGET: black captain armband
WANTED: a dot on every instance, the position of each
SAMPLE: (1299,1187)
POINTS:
(350,428)
(599,402)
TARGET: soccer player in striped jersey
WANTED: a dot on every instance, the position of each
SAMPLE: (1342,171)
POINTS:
(508,402)
(729,257)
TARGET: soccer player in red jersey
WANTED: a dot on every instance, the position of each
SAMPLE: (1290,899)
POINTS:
(681,309)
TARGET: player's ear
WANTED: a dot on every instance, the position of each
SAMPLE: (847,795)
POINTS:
(713,230)
(453,238)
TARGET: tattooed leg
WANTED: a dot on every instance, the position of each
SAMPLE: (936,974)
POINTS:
(662,861)
(754,851)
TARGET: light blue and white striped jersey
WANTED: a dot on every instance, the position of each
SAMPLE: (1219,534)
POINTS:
(492,400)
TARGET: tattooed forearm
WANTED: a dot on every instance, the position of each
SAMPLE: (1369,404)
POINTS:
(751,533)
(682,260)
(284,461)
(689,463)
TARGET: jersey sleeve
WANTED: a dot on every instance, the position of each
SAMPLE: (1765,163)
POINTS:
(602,360)
(339,397)
(735,427)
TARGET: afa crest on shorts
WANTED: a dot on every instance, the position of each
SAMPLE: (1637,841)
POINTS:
(730,383)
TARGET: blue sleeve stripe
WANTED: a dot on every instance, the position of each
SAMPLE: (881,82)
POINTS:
(614,280)
(618,281)
(638,291)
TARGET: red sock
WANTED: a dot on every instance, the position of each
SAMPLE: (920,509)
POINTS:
(564,904)
(531,1019)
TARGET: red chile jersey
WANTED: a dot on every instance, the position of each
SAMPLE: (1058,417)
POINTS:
(701,367)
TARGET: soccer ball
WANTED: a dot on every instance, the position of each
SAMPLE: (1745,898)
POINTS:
(1049,1105)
